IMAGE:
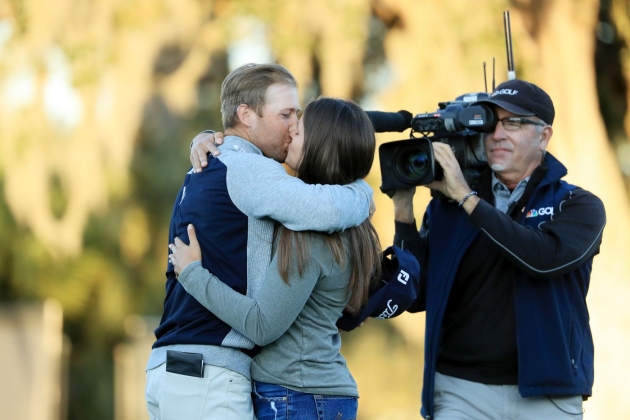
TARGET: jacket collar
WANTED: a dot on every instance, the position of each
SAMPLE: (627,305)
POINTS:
(555,170)
(548,172)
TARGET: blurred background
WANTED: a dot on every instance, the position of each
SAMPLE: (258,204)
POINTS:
(99,100)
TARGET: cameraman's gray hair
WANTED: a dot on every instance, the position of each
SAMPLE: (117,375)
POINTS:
(248,85)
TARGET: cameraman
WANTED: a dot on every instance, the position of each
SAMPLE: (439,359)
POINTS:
(506,271)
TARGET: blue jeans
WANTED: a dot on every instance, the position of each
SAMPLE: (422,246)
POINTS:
(274,402)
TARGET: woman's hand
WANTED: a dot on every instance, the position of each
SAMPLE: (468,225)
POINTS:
(204,143)
(183,254)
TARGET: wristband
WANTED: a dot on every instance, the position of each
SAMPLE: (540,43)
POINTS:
(470,194)
(204,131)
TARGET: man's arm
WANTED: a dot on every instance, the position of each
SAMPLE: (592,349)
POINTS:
(406,233)
(406,236)
(264,319)
(260,187)
(558,246)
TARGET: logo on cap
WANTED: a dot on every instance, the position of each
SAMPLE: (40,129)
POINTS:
(403,277)
(505,92)
(389,311)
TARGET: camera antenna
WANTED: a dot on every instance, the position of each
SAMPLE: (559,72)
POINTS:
(508,45)
(493,85)
(485,78)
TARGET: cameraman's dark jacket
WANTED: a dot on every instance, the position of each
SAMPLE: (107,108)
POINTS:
(550,236)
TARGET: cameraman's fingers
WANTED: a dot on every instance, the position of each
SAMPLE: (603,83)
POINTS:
(437,185)
(454,185)
(446,158)
(444,154)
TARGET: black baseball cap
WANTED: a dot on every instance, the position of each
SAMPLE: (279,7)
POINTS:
(398,289)
(522,98)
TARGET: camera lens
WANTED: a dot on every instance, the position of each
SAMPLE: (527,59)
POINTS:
(407,163)
(414,163)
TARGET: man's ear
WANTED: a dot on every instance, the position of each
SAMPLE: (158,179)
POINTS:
(244,114)
(545,136)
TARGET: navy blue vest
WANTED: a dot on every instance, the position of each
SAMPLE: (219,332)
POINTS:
(551,313)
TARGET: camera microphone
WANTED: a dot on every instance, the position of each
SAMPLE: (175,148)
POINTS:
(384,122)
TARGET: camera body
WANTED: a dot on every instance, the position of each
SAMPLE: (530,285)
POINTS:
(411,162)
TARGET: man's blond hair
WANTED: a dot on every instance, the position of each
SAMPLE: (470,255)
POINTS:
(248,85)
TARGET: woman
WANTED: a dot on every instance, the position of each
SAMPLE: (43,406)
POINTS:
(300,372)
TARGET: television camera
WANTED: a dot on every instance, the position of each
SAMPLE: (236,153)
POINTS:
(461,123)
(410,162)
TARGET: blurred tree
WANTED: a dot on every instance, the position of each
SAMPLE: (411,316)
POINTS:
(94,127)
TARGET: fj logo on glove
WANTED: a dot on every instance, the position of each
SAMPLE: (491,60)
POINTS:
(540,212)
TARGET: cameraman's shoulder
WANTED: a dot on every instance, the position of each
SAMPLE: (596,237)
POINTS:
(586,200)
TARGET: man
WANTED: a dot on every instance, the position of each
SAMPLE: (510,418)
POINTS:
(506,272)
(199,366)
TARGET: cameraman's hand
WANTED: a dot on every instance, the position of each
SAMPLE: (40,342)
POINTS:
(453,185)
(203,144)
(403,205)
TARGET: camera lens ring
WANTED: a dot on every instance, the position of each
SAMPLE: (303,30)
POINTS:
(413,163)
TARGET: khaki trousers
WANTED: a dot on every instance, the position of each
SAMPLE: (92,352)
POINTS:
(458,399)
(221,394)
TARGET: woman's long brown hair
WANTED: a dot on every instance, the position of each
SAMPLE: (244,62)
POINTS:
(339,148)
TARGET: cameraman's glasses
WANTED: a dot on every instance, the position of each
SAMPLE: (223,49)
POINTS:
(515,123)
